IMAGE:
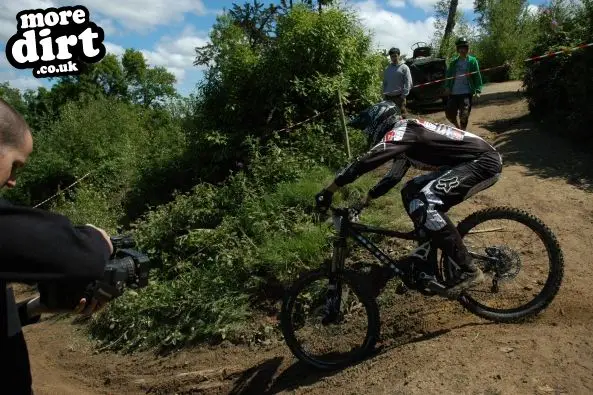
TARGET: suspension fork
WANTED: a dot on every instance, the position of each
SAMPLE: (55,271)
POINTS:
(336,266)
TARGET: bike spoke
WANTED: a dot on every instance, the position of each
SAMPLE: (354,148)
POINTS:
(325,331)
(517,264)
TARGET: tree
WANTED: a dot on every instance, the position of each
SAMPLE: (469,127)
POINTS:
(445,20)
(256,21)
(286,7)
(507,33)
(450,24)
(147,86)
(13,97)
(312,56)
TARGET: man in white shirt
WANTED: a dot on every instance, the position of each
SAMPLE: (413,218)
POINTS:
(397,81)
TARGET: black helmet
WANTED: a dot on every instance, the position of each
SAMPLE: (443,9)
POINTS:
(377,120)
(462,42)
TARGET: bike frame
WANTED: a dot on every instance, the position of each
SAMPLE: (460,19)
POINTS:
(348,229)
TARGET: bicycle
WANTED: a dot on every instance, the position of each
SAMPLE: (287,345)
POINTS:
(421,271)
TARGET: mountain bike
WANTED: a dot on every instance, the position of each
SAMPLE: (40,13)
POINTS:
(422,270)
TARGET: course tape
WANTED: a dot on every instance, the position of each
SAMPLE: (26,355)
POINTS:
(506,64)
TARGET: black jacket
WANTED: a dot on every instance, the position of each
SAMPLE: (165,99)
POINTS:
(38,246)
(415,143)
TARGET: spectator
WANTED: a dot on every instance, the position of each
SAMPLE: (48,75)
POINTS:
(397,81)
(462,89)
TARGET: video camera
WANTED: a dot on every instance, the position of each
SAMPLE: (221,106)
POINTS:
(127,267)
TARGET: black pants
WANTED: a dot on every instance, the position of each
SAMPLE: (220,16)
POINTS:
(15,376)
(459,104)
(400,101)
(427,198)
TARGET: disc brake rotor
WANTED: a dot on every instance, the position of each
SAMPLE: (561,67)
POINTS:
(508,262)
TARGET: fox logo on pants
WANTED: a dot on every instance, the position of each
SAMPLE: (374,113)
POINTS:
(446,184)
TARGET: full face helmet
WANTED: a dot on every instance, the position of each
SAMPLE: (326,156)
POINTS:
(377,120)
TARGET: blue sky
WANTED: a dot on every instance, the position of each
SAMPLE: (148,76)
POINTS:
(167,31)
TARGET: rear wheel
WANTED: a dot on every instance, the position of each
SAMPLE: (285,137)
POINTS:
(509,274)
(343,305)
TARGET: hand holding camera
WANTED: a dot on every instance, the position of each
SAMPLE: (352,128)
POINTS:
(127,267)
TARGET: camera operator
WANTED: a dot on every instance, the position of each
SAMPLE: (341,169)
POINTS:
(38,246)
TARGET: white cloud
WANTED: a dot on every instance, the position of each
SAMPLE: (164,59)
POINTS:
(140,15)
(428,5)
(397,3)
(177,54)
(22,83)
(532,9)
(11,75)
(115,49)
(107,25)
(135,15)
(391,29)
(8,11)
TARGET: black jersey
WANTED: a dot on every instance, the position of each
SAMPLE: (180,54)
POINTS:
(422,144)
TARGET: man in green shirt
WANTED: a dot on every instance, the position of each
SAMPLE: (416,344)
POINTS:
(463,87)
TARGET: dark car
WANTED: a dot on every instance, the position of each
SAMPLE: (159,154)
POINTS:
(424,68)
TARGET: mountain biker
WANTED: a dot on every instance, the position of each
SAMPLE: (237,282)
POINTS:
(462,164)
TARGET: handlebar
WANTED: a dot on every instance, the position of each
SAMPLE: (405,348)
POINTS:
(349,212)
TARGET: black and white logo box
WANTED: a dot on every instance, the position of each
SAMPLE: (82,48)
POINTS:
(53,41)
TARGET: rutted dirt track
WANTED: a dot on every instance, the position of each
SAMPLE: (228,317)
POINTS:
(444,350)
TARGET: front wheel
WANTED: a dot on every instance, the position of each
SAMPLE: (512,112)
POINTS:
(515,264)
(343,316)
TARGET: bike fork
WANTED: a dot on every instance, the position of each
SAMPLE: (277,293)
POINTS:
(334,291)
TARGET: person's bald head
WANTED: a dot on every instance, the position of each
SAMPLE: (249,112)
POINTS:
(13,126)
(16,144)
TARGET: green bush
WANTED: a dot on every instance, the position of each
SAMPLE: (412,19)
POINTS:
(89,204)
(113,140)
(558,88)
(507,33)
(214,249)
(311,55)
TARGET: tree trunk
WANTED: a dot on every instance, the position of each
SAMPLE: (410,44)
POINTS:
(450,25)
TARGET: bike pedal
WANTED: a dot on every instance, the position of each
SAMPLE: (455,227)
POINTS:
(436,287)
(432,285)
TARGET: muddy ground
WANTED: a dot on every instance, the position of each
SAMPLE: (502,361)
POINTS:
(431,346)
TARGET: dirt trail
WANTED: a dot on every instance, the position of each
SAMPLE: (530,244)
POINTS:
(445,350)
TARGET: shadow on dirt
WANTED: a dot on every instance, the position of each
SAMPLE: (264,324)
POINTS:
(494,98)
(522,142)
(486,99)
(395,343)
(260,379)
